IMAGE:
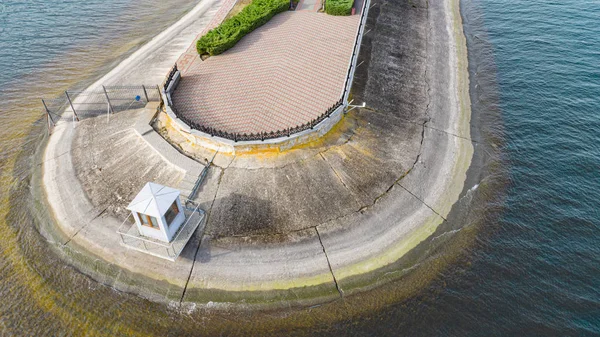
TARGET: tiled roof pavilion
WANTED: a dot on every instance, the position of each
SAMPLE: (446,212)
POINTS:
(284,74)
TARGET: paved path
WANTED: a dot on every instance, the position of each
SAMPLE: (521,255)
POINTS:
(284,74)
(190,56)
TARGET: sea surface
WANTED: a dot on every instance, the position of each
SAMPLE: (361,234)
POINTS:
(534,267)
(520,254)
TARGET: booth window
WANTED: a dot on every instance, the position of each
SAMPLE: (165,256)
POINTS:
(171,213)
(148,221)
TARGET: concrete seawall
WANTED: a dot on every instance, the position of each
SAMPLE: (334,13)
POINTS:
(376,186)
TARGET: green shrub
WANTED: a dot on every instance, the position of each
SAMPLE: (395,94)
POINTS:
(230,31)
(339,7)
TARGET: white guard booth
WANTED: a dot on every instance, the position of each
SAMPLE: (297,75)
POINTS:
(157,212)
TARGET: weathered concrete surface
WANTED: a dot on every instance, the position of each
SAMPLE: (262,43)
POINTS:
(92,184)
(88,239)
(397,167)
(301,225)
(110,178)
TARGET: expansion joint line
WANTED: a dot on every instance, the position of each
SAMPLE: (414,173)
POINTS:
(426,126)
(423,202)
(200,239)
(339,178)
(329,264)
(84,226)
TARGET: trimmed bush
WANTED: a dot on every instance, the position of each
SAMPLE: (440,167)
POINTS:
(230,31)
(339,7)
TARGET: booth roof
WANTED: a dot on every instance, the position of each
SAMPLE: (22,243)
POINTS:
(154,200)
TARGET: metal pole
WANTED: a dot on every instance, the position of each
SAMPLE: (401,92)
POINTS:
(45,106)
(47,112)
(159,94)
(145,93)
(48,120)
(108,100)
(72,107)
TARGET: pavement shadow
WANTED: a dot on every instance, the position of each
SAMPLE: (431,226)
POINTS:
(233,217)
(242,215)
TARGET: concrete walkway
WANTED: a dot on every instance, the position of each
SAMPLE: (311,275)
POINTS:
(161,146)
(304,226)
(84,224)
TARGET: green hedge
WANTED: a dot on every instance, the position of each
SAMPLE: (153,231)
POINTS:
(229,32)
(338,7)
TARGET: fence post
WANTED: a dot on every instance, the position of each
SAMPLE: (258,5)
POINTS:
(72,107)
(108,100)
(145,93)
(159,94)
(48,113)
(48,120)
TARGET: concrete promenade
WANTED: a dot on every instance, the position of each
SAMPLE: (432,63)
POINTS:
(284,74)
(301,227)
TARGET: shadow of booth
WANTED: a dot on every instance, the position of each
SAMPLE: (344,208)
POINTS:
(235,216)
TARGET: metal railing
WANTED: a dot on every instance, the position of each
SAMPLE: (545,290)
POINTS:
(261,135)
(356,49)
(92,103)
(236,137)
(170,76)
(131,237)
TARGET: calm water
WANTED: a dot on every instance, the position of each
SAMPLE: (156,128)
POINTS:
(528,257)
(535,266)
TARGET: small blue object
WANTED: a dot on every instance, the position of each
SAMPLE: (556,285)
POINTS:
(137,98)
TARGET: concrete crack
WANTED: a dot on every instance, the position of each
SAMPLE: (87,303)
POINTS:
(84,226)
(428,63)
(396,182)
(423,202)
(340,179)
(329,264)
(200,239)
(429,127)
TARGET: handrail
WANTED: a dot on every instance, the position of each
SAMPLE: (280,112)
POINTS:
(158,243)
(139,237)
